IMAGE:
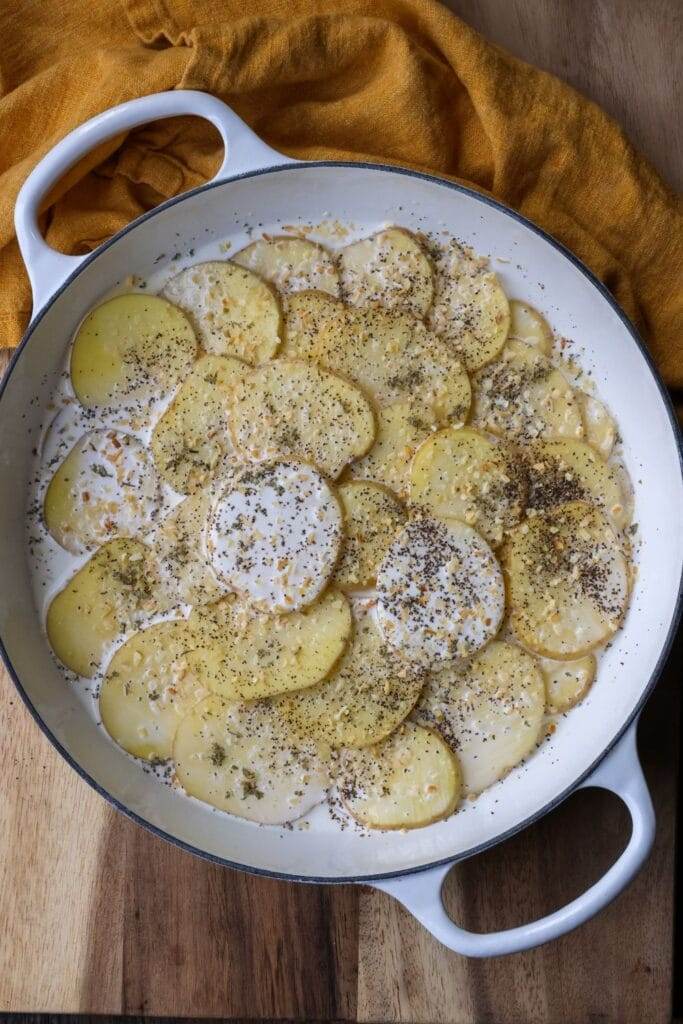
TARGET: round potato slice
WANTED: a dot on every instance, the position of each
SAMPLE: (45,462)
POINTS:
(391,356)
(129,349)
(113,592)
(291,264)
(562,471)
(409,780)
(106,487)
(275,534)
(470,308)
(400,431)
(295,409)
(522,395)
(191,441)
(180,544)
(567,581)
(528,326)
(249,654)
(567,682)
(233,311)
(599,428)
(372,516)
(461,474)
(149,686)
(489,709)
(440,591)
(390,268)
(368,694)
(243,758)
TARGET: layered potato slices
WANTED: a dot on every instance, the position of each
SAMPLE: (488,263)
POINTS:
(354,530)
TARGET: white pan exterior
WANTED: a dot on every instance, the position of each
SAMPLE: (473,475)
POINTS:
(531,268)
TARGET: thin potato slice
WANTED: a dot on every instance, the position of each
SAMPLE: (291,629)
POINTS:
(599,427)
(249,654)
(368,694)
(291,408)
(128,349)
(562,471)
(409,780)
(291,264)
(470,308)
(275,535)
(461,474)
(400,431)
(113,592)
(390,268)
(180,544)
(522,395)
(567,581)
(528,326)
(391,356)
(105,488)
(244,759)
(191,441)
(567,682)
(149,686)
(440,591)
(489,710)
(372,516)
(234,312)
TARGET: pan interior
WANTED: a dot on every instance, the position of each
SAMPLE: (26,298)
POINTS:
(347,202)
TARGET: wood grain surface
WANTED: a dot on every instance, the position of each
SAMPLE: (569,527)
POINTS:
(98,916)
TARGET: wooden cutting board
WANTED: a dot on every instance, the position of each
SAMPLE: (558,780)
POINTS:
(98,916)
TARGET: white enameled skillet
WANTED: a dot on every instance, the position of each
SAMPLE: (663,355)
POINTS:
(257,190)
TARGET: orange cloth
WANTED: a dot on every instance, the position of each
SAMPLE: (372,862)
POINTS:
(399,81)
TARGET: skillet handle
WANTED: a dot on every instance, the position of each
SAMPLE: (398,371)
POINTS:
(244,151)
(621,773)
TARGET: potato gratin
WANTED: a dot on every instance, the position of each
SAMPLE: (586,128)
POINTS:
(331,522)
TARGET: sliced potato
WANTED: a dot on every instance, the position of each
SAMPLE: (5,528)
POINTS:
(567,581)
(489,709)
(233,311)
(400,431)
(291,264)
(249,654)
(131,348)
(191,440)
(293,408)
(149,686)
(461,474)
(440,591)
(243,758)
(390,268)
(180,544)
(409,780)
(599,427)
(372,515)
(391,356)
(470,308)
(567,682)
(275,535)
(522,395)
(106,487)
(368,694)
(528,326)
(566,470)
(113,592)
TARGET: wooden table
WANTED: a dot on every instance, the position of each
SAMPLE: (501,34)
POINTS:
(98,916)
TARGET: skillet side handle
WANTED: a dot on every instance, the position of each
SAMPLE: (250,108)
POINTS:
(244,151)
(621,773)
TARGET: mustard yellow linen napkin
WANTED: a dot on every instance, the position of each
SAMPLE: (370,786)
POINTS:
(398,81)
